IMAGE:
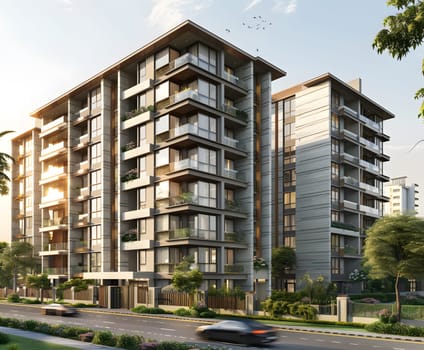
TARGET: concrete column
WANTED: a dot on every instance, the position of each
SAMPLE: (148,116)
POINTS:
(343,314)
(152,296)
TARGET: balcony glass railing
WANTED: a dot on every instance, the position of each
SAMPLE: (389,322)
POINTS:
(55,222)
(370,188)
(350,180)
(234,79)
(56,246)
(230,141)
(235,112)
(350,134)
(369,166)
(189,232)
(192,164)
(231,173)
(183,95)
(370,210)
(350,204)
(370,144)
(233,268)
(350,158)
(55,270)
(372,124)
(53,196)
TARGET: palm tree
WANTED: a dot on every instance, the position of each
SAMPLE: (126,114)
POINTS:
(4,167)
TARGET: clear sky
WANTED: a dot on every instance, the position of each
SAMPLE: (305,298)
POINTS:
(50,46)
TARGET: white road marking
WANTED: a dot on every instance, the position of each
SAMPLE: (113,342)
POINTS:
(167,329)
(109,322)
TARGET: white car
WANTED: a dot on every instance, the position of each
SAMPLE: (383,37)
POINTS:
(58,310)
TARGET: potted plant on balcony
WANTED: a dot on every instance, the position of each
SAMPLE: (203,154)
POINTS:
(130,236)
(131,174)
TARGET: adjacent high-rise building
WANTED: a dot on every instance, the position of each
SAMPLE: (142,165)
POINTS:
(162,155)
(328,175)
(403,197)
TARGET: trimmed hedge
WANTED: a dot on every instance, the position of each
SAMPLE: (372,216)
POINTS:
(395,328)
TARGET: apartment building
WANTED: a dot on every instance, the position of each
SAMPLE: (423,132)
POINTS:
(25,189)
(403,197)
(328,175)
(162,155)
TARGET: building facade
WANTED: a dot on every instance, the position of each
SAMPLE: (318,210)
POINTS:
(164,154)
(328,175)
(403,197)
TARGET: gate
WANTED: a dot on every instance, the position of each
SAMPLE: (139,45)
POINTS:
(115,297)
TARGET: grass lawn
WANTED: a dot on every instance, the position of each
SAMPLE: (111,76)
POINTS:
(28,343)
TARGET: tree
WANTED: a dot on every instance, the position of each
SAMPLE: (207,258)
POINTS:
(403,32)
(18,259)
(4,167)
(39,282)
(283,260)
(394,247)
(78,284)
(185,278)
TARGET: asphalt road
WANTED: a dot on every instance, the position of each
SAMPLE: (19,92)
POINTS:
(183,331)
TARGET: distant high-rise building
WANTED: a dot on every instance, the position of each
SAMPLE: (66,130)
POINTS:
(328,175)
(162,155)
(403,197)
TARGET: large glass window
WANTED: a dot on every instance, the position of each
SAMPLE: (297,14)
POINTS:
(141,71)
(207,160)
(141,101)
(206,259)
(142,138)
(290,222)
(162,223)
(335,171)
(205,193)
(162,124)
(204,225)
(162,190)
(96,98)
(206,55)
(289,154)
(289,129)
(95,153)
(207,93)
(289,178)
(142,198)
(207,126)
(95,208)
(95,127)
(142,259)
(95,237)
(289,108)
(335,146)
(95,262)
(96,180)
(335,195)
(289,200)
(335,122)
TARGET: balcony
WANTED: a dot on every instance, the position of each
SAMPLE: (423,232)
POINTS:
(53,126)
(82,142)
(84,193)
(370,145)
(82,220)
(54,197)
(344,226)
(233,79)
(232,237)
(136,182)
(348,180)
(80,247)
(137,117)
(82,168)
(369,210)
(54,224)
(81,116)
(349,134)
(56,271)
(345,110)
(54,249)
(369,188)
(348,157)
(378,127)
(350,205)
(53,150)
(137,151)
(183,95)
(137,214)
(232,205)
(230,142)
(233,268)
(235,112)
(192,233)
(52,174)
(231,173)
(193,165)
(137,89)
(369,166)
(137,245)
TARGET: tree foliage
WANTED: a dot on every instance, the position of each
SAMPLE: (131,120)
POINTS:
(185,278)
(403,32)
(39,282)
(394,247)
(18,259)
(5,159)
(283,259)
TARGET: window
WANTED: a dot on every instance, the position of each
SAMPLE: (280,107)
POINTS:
(95,262)
(335,195)
(289,241)
(162,157)
(162,190)
(289,200)
(162,223)
(204,225)
(142,226)
(207,92)
(95,153)
(141,100)
(141,166)
(162,91)
(142,140)
(289,222)
(289,130)
(142,198)
(207,160)
(335,216)
(206,126)
(229,256)
(162,124)
(162,255)
(206,55)
(335,266)
(289,108)
(28,184)
(96,98)
(229,225)
(95,208)
(28,163)
(205,193)
(335,99)
(335,122)
(95,127)
(142,257)
(206,258)
(289,178)
(335,171)
(162,58)
(28,225)
(95,237)
(289,154)
(96,180)
(335,146)
(141,71)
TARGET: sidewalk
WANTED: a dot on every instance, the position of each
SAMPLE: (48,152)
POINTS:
(55,340)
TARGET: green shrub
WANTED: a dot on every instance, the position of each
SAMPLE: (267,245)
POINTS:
(148,310)
(13,347)
(208,314)
(30,301)
(286,296)
(4,338)
(279,308)
(13,298)
(83,305)
(395,328)
(129,342)
(73,332)
(29,325)
(172,345)
(182,312)
(104,338)
(307,312)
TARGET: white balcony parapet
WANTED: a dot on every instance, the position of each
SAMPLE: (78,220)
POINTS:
(231,173)
(137,214)
(137,245)
(53,148)
(52,171)
(351,158)
(350,204)
(350,180)
(184,129)
(349,111)
(53,196)
(350,134)
(137,119)
(52,124)
(138,88)
(137,151)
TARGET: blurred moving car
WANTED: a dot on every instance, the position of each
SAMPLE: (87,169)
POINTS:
(243,331)
(58,310)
